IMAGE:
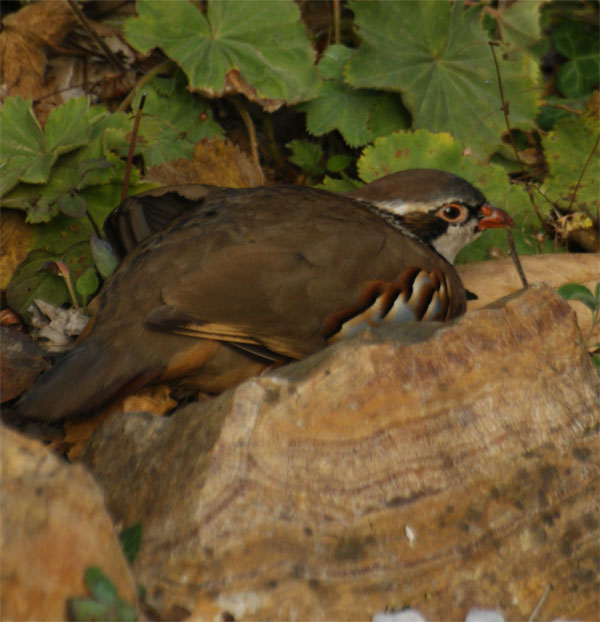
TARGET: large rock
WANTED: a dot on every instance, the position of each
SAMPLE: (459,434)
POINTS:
(454,472)
(54,526)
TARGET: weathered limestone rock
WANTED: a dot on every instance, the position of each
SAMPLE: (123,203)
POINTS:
(54,525)
(491,280)
(453,472)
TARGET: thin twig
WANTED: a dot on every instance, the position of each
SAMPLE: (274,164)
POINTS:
(540,603)
(515,257)
(142,82)
(251,134)
(136,125)
(513,251)
(112,59)
(505,106)
(492,44)
(582,172)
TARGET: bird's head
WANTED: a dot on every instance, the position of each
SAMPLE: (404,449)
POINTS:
(439,208)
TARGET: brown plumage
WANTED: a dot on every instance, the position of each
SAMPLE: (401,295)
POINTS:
(244,278)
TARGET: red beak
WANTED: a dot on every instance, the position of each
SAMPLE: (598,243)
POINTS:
(493,218)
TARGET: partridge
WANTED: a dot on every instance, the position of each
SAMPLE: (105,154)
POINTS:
(217,284)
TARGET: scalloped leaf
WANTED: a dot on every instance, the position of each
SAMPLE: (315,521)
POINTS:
(339,106)
(256,48)
(578,76)
(519,23)
(27,152)
(437,55)
(307,155)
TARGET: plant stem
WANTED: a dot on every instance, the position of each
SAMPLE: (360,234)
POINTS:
(247,119)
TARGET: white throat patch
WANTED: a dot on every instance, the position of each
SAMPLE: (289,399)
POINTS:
(455,239)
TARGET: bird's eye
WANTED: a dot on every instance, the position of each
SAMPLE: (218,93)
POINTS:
(453,212)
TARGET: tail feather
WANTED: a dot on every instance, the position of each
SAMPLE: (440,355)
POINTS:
(84,380)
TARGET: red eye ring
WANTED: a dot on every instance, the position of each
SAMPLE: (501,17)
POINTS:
(452,212)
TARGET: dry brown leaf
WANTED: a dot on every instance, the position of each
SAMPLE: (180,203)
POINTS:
(9,318)
(24,33)
(491,280)
(15,237)
(215,162)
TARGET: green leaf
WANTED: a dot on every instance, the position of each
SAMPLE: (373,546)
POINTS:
(264,41)
(388,115)
(87,285)
(131,539)
(307,155)
(21,142)
(100,586)
(105,603)
(32,280)
(556,108)
(104,257)
(174,121)
(337,163)
(71,204)
(519,24)
(339,185)
(68,126)
(579,76)
(576,291)
(338,105)
(573,159)
(87,166)
(35,277)
(28,154)
(437,55)
(83,609)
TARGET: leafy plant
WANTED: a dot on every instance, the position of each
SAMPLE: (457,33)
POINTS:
(259,48)
(67,178)
(437,55)
(104,603)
